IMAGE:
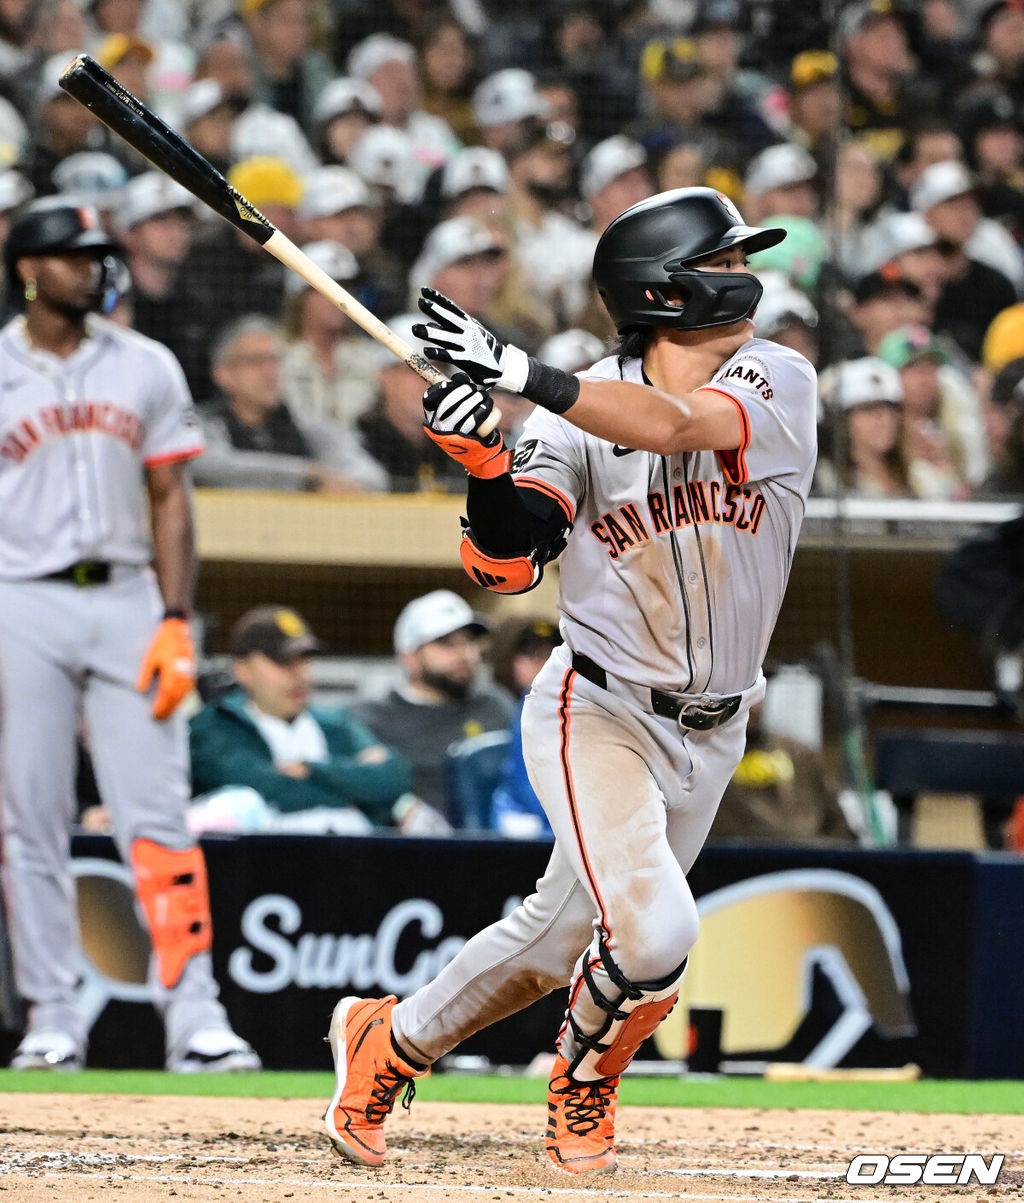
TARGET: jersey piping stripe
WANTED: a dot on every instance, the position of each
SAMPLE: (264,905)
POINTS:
(734,463)
(173,457)
(542,486)
(570,791)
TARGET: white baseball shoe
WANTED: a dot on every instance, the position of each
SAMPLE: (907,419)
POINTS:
(215,1050)
(49,1048)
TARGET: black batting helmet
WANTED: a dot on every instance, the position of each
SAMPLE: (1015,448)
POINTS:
(654,244)
(53,225)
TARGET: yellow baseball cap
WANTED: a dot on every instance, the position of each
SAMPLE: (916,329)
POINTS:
(116,48)
(1004,339)
(266,180)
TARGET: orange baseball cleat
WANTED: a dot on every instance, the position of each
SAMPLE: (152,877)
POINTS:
(581,1122)
(370,1075)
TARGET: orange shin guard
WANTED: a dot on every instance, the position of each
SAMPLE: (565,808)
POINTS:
(641,1023)
(175,897)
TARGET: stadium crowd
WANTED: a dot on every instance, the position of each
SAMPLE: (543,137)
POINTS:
(482,148)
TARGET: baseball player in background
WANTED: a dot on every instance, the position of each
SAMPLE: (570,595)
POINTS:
(671,477)
(89,632)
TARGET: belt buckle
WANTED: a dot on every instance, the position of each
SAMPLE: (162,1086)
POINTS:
(692,716)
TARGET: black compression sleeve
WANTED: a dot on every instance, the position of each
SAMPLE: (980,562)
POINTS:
(500,521)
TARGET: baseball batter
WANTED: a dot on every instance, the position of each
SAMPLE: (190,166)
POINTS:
(90,636)
(671,478)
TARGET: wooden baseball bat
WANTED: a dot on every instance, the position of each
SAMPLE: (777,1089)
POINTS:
(95,88)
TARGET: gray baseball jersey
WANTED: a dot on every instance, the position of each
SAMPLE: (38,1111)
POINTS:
(75,436)
(672,579)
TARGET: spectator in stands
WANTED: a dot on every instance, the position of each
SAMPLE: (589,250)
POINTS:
(854,207)
(15,191)
(344,111)
(554,250)
(155,223)
(999,57)
(264,758)
(392,433)
(676,95)
(254,441)
(943,435)
(865,399)
(173,62)
(613,176)
(329,370)
(932,141)
(241,277)
(1004,426)
(390,65)
(339,206)
(519,648)
(474,183)
(437,642)
(781,181)
(883,96)
(781,792)
(976,289)
(63,127)
(904,246)
(206,117)
(288,74)
(883,302)
(785,315)
(503,103)
(993,141)
(815,101)
(468,260)
(447,65)
(386,159)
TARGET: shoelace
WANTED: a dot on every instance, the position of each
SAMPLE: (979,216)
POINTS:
(387,1083)
(587,1105)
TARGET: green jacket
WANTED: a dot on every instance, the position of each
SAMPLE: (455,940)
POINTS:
(228,749)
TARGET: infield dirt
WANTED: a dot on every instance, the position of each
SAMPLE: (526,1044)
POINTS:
(141,1149)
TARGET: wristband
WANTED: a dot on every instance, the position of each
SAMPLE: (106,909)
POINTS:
(550,388)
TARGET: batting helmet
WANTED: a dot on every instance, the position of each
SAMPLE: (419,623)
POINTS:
(654,244)
(53,225)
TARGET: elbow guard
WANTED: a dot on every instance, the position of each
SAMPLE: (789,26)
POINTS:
(500,574)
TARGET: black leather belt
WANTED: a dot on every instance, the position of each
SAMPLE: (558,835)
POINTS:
(85,572)
(695,713)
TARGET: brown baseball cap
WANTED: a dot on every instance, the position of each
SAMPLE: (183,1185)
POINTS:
(280,634)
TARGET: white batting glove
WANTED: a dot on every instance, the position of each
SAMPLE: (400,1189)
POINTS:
(456,406)
(456,338)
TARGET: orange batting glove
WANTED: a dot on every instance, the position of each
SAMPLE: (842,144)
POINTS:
(172,658)
(453,411)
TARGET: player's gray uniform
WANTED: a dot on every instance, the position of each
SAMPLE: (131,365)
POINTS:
(75,434)
(672,579)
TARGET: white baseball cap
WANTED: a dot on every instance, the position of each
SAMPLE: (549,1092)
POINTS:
(386,156)
(49,87)
(864,381)
(93,176)
(14,190)
(150,195)
(474,167)
(781,305)
(346,95)
(507,96)
(571,350)
(453,240)
(434,616)
(200,99)
(332,257)
(376,50)
(894,235)
(940,182)
(608,160)
(779,167)
(335,189)
(260,131)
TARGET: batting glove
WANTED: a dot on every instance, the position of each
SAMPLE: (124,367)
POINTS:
(453,412)
(171,658)
(456,338)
